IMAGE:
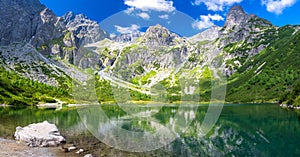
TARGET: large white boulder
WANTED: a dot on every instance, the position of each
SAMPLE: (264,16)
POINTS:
(39,135)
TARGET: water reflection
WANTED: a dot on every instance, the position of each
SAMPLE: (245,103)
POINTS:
(245,130)
(140,132)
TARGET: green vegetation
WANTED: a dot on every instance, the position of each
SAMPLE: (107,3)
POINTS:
(131,48)
(207,73)
(144,79)
(292,97)
(108,93)
(201,43)
(104,90)
(270,74)
(193,58)
(16,90)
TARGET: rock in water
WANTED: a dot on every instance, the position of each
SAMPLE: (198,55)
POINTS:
(39,135)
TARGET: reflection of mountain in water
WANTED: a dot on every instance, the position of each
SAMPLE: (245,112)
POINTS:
(241,130)
(225,139)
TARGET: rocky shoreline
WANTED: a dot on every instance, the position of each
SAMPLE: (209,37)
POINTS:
(289,106)
(39,139)
(10,148)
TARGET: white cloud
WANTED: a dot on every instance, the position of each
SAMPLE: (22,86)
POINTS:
(166,16)
(148,5)
(215,17)
(277,6)
(144,16)
(126,30)
(206,21)
(216,5)
(129,10)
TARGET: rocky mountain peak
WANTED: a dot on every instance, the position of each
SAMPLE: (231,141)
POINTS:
(68,16)
(237,20)
(49,27)
(86,30)
(236,16)
(159,36)
(48,16)
(237,9)
(157,29)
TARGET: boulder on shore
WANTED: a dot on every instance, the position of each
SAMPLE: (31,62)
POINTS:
(39,135)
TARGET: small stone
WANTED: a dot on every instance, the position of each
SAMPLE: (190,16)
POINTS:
(88,155)
(79,151)
(71,148)
(66,147)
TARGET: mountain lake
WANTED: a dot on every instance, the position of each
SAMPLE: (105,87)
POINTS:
(240,130)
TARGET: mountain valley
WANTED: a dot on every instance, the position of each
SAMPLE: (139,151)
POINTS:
(251,58)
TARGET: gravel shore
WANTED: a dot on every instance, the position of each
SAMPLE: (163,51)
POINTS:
(9,148)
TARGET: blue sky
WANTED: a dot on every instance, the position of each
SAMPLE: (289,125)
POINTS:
(185,17)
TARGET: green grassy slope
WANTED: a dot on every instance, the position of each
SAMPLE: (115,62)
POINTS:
(16,90)
(271,73)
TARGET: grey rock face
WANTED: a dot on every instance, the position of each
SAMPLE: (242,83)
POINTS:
(19,20)
(28,21)
(236,16)
(157,36)
(86,30)
(240,25)
(124,38)
(209,34)
(27,62)
(49,27)
(39,135)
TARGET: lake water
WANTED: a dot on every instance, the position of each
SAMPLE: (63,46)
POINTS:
(241,130)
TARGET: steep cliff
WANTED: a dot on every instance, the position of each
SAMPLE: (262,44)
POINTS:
(33,36)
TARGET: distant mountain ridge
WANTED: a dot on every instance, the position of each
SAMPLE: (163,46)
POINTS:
(159,56)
